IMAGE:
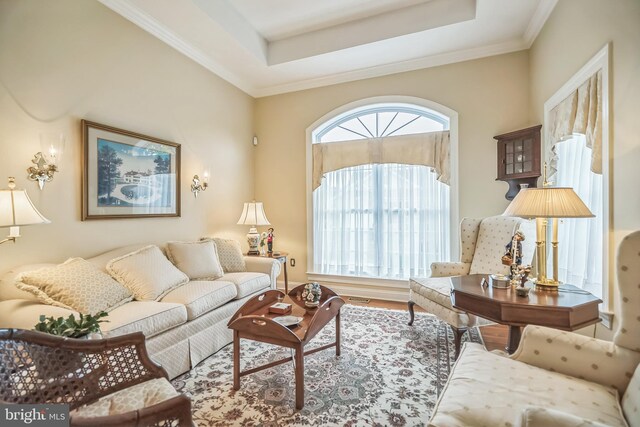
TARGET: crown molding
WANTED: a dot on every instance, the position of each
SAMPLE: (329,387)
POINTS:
(540,16)
(145,21)
(396,67)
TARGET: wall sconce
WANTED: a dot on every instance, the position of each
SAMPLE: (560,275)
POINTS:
(16,209)
(198,185)
(46,161)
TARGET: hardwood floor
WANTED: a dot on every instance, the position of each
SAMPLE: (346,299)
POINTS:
(494,336)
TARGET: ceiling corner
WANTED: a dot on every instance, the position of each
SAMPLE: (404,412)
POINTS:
(540,16)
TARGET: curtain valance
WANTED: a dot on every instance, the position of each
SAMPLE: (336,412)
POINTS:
(580,112)
(428,149)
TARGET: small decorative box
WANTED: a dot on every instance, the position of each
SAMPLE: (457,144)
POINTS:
(280,308)
(499,281)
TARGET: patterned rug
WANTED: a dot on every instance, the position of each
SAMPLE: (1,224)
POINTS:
(389,374)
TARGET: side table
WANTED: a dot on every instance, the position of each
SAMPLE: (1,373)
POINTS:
(282,257)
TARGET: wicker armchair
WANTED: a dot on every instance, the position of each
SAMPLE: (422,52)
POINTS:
(91,376)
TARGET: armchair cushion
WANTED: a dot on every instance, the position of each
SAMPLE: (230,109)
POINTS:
(576,355)
(631,400)
(448,269)
(486,389)
(436,289)
(139,396)
(536,416)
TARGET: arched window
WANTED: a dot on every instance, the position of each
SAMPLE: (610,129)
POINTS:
(386,220)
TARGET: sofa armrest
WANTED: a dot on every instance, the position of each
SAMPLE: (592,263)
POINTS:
(579,356)
(268,266)
(448,269)
(24,314)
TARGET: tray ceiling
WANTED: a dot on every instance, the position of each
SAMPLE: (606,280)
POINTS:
(266,47)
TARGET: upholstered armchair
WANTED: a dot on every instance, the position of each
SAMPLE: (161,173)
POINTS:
(555,378)
(105,382)
(482,247)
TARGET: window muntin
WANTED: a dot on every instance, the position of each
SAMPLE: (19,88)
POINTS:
(384,220)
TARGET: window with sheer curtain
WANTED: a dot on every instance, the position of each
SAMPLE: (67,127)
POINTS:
(580,251)
(380,220)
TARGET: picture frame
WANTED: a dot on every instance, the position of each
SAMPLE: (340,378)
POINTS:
(128,175)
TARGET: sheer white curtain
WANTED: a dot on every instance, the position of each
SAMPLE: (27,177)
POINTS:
(580,253)
(384,220)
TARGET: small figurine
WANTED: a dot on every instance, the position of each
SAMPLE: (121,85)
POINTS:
(514,253)
(270,237)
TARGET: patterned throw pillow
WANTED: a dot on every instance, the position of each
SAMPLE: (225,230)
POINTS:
(75,285)
(230,255)
(198,260)
(147,273)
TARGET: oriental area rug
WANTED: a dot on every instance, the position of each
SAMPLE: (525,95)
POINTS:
(389,374)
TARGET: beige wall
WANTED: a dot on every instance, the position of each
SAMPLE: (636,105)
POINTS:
(491,96)
(575,31)
(67,60)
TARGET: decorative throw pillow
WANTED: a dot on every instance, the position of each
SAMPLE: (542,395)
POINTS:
(230,255)
(147,273)
(76,285)
(198,260)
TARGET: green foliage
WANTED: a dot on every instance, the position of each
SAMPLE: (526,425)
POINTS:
(70,327)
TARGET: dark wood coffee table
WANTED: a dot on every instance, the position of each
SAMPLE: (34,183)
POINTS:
(568,309)
(254,322)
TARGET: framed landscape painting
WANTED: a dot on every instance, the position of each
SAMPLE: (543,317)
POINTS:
(128,175)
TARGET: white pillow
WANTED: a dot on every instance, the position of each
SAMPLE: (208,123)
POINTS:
(230,255)
(76,285)
(198,260)
(147,273)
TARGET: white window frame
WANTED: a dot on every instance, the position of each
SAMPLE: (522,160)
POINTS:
(454,203)
(600,61)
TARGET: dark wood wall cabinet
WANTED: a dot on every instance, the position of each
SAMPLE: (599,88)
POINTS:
(519,159)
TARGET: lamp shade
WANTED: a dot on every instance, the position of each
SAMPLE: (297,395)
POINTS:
(16,208)
(548,202)
(253,214)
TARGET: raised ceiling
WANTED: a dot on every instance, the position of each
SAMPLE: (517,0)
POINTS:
(266,47)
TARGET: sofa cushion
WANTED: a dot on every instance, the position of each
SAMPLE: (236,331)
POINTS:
(76,284)
(8,288)
(149,317)
(147,273)
(486,389)
(200,297)
(136,397)
(198,260)
(230,255)
(247,283)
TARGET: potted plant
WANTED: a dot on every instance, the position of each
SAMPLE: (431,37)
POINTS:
(88,326)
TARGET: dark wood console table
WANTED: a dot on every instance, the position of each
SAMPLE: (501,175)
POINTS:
(568,309)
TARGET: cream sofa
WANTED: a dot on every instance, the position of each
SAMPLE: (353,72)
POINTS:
(555,378)
(184,327)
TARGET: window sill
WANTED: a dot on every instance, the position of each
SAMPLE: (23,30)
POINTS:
(359,280)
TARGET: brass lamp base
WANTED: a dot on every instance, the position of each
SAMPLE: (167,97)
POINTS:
(547,284)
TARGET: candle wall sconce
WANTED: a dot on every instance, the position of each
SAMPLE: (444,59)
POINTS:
(45,162)
(198,185)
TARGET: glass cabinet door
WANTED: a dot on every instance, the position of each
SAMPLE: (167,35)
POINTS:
(519,156)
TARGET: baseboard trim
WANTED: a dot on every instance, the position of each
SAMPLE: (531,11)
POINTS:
(364,291)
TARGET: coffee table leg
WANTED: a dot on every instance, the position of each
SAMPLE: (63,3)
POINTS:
(338,334)
(236,360)
(514,339)
(299,376)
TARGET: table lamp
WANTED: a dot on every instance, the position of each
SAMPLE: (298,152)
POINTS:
(253,215)
(543,204)
(16,209)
